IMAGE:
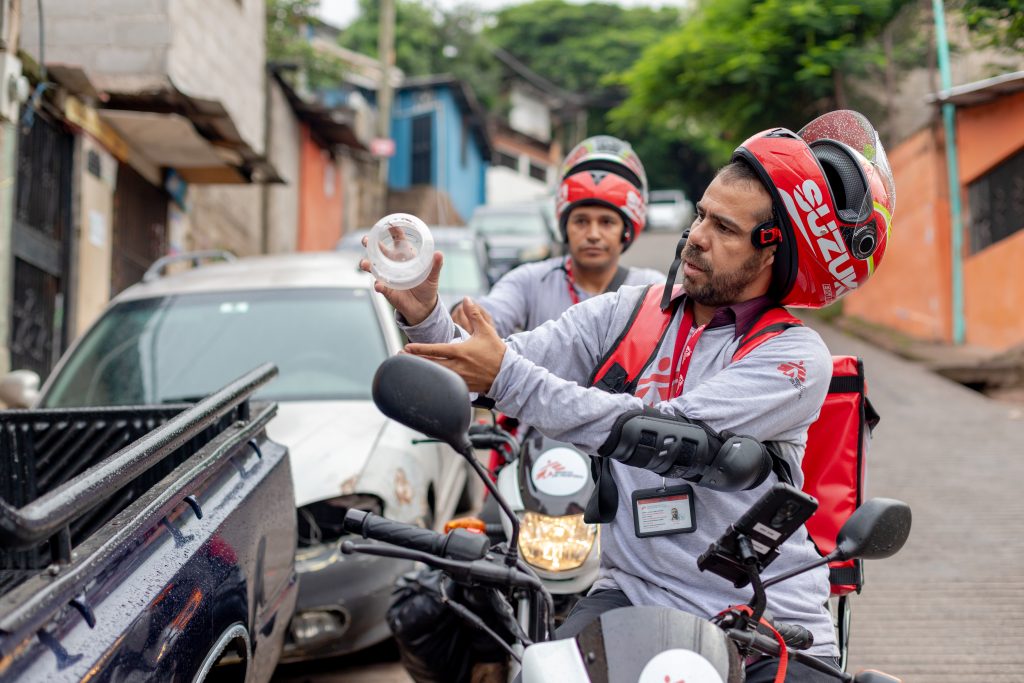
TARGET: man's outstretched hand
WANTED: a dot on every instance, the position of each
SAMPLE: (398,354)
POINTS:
(414,304)
(477,360)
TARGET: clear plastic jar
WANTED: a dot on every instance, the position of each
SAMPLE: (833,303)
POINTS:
(400,249)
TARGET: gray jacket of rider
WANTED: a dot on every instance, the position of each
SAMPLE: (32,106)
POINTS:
(535,293)
(772,394)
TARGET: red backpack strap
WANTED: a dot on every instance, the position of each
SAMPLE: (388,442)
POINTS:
(771,323)
(636,344)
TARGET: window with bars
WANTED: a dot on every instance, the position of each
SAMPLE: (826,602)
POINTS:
(995,203)
(422,148)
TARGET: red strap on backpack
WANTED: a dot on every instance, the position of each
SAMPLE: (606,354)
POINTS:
(618,371)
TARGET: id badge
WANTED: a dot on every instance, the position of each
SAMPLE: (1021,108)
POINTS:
(664,510)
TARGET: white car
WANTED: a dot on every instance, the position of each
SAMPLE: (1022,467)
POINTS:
(175,338)
(669,210)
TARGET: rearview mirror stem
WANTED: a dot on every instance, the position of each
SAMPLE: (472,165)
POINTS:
(512,555)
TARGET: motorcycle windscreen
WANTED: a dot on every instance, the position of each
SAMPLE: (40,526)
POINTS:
(652,643)
(554,477)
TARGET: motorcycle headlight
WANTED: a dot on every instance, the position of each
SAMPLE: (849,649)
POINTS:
(556,543)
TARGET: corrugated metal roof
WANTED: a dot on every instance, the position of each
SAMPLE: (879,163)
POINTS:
(980,92)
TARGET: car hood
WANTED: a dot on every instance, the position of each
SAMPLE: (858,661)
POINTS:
(330,443)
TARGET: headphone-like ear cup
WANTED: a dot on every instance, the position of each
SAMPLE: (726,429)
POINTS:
(766,234)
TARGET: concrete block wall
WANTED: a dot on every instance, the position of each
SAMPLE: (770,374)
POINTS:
(284,153)
(225,217)
(103,36)
(209,48)
(218,52)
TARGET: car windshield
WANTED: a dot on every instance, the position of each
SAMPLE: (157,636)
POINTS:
(512,223)
(461,272)
(327,343)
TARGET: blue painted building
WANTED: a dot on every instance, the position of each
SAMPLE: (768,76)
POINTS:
(441,140)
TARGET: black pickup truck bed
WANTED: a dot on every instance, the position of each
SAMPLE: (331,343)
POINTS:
(145,542)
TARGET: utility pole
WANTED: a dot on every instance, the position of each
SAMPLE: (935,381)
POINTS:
(10,72)
(953,176)
(385,94)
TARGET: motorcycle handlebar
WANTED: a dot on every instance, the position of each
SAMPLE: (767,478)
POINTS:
(458,544)
(795,636)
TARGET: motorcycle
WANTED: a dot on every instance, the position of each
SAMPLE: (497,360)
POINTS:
(547,484)
(645,644)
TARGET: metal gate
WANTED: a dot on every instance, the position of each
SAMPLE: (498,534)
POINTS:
(41,245)
(140,228)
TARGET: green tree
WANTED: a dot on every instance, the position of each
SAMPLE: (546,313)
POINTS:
(431,41)
(996,23)
(287,24)
(739,66)
(578,46)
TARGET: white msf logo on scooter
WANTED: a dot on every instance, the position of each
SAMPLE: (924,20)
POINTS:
(679,666)
(559,472)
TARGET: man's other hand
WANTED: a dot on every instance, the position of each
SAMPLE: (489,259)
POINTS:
(462,320)
(414,304)
(478,359)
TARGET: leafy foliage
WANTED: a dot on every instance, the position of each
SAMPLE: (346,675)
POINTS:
(577,46)
(286,24)
(996,23)
(430,42)
(739,66)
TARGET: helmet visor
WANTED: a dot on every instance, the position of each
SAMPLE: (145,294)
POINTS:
(856,132)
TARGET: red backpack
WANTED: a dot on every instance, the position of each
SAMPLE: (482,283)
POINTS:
(833,463)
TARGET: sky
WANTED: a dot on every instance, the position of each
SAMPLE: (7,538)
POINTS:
(341,12)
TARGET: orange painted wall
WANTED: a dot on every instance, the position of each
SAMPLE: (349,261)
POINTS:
(989,134)
(320,197)
(994,294)
(910,290)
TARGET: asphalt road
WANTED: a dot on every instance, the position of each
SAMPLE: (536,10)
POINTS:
(947,608)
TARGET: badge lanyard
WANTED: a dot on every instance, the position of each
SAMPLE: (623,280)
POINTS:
(571,280)
(685,343)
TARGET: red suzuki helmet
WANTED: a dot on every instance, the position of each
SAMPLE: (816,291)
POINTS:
(604,171)
(833,197)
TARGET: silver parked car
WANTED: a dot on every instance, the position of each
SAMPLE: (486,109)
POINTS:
(177,337)
(669,210)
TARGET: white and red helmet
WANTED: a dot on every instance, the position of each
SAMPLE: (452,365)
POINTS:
(604,171)
(833,197)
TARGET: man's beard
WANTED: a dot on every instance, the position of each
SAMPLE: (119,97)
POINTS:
(719,289)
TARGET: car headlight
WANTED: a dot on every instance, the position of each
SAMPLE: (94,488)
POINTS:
(321,522)
(535,253)
(556,543)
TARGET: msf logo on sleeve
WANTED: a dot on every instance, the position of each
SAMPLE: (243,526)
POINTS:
(809,212)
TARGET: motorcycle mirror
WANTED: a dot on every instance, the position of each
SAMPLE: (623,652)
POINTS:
(426,397)
(876,530)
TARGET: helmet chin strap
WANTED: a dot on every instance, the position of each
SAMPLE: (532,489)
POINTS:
(674,270)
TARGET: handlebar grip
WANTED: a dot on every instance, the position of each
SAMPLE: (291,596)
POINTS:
(796,636)
(459,544)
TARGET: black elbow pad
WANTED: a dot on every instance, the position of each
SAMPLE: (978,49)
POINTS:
(678,448)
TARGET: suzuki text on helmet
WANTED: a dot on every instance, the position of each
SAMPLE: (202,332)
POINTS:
(604,171)
(833,197)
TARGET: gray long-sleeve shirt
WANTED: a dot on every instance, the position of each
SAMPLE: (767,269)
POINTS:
(773,394)
(535,293)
